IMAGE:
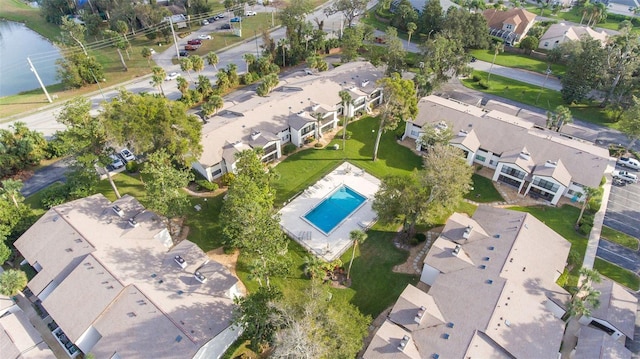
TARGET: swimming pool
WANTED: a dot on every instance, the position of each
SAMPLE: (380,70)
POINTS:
(334,209)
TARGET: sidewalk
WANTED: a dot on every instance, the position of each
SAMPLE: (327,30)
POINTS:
(594,236)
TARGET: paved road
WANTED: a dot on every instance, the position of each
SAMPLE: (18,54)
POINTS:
(44,121)
(45,176)
(529,77)
(617,254)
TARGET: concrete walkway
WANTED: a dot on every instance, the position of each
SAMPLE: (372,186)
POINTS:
(594,236)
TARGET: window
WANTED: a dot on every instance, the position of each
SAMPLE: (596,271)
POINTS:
(308,129)
(546,44)
(415,133)
(481,158)
(547,185)
(216,172)
(512,172)
(509,27)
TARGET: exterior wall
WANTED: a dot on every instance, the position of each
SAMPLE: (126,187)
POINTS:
(429,274)
(555,309)
(205,172)
(551,43)
(470,155)
(275,153)
(586,320)
(88,339)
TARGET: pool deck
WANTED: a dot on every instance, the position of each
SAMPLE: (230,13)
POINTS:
(332,246)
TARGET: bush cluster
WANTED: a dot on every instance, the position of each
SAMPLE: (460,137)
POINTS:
(206,185)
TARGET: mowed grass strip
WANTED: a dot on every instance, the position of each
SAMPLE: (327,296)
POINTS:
(620,238)
(483,190)
(617,274)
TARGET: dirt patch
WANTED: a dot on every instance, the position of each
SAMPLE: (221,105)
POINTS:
(414,252)
(229,261)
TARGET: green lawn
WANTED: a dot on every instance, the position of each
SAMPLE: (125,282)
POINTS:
(575,15)
(518,61)
(617,274)
(483,190)
(528,94)
(619,237)
(315,163)
(562,220)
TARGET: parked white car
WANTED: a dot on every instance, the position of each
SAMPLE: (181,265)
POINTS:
(629,162)
(204,37)
(172,76)
(127,155)
(116,162)
(625,176)
(250,13)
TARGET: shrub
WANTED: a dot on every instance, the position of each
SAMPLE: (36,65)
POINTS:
(476,78)
(56,148)
(585,229)
(227,178)
(247,78)
(132,166)
(318,145)
(349,134)
(289,148)
(420,237)
(204,184)
(484,84)
(54,195)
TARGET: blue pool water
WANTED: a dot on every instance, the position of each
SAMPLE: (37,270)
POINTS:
(335,208)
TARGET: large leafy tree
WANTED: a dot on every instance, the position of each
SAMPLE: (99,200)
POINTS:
(630,123)
(443,58)
(395,53)
(149,123)
(448,177)
(401,198)
(470,29)
(20,148)
(431,18)
(403,14)
(622,63)
(256,313)
(76,70)
(350,43)
(350,9)
(164,184)
(399,104)
(89,142)
(12,281)
(313,325)
(585,71)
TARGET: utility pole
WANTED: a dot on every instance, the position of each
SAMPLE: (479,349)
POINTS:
(33,69)
(97,83)
(173,33)
(255,35)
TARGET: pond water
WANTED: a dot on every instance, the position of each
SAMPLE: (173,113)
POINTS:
(16,43)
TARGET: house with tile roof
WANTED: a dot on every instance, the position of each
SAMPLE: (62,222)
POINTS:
(560,33)
(299,110)
(511,25)
(111,277)
(490,292)
(536,161)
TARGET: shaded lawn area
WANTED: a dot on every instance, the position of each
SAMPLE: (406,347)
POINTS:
(374,285)
(393,158)
(617,274)
(562,220)
(528,94)
(518,61)
(483,190)
(618,237)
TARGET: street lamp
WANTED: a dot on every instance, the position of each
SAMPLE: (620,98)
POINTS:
(548,72)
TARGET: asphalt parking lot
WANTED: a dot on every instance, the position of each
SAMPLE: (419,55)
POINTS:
(623,209)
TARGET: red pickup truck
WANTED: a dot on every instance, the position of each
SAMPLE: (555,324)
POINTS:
(191,47)
(194,42)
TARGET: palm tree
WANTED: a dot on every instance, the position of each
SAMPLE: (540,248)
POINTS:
(411,27)
(587,7)
(314,267)
(589,192)
(212,59)
(158,76)
(497,48)
(249,58)
(585,297)
(215,103)
(186,65)
(146,53)
(11,189)
(197,63)
(358,237)
(599,13)
(346,99)
(12,282)
(183,84)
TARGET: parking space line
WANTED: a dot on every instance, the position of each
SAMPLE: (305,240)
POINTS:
(619,255)
(619,224)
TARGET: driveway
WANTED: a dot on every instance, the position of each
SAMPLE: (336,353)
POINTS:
(45,176)
(623,209)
